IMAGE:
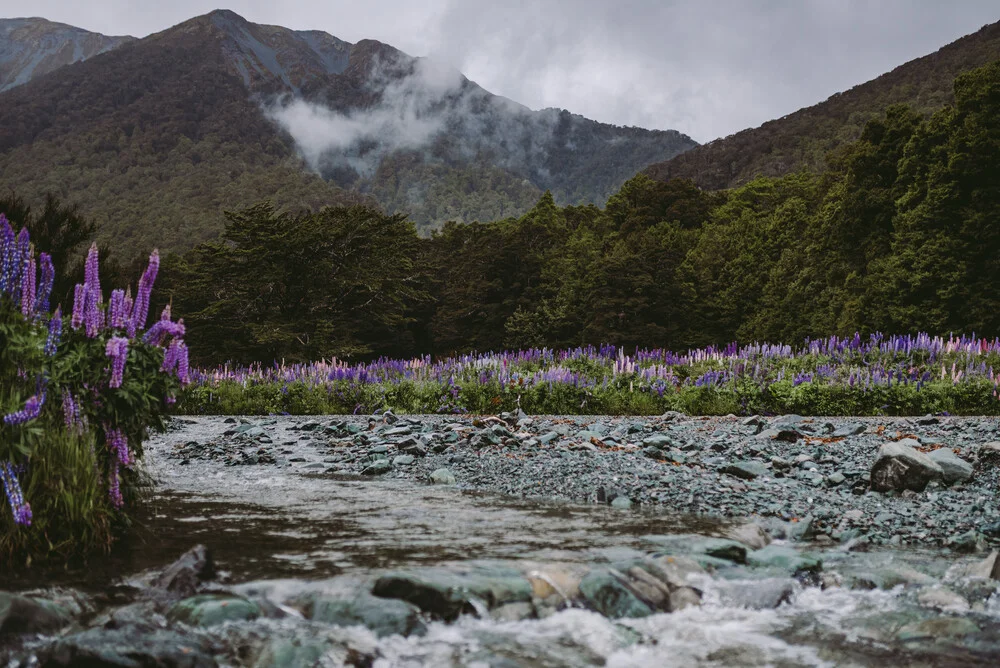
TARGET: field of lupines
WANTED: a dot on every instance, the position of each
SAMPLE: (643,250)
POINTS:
(77,399)
(873,375)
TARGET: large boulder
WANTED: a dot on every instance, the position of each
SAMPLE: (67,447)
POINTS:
(20,614)
(212,609)
(129,648)
(900,466)
(385,617)
(446,594)
(954,468)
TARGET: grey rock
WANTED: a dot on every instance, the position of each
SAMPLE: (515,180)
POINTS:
(765,594)
(784,558)
(127,648)
(900,467)
(404,460)
(621,502)
(937,629)
(212,609)
(607,592)
(746,470)
(749,534)
(21,614)
(954,468)
(378,467)
(443,477)
(384,616)
(447,594)
(657,441)
(184,575)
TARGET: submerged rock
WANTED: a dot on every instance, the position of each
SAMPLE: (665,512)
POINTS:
(212,609)
(605,591)
(385,617)
(129,648)
(446,594)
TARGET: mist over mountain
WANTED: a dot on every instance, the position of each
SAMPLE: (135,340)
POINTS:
(156,136)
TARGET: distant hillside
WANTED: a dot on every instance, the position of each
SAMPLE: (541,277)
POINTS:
(802,139)
(159,135)
(31,47)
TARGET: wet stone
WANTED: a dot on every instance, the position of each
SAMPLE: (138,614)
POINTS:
(443,477)
(385,617)
(212,609)
(378,467)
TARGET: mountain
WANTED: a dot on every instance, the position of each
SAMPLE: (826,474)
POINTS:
(31,47)
(803,139)
(156,137)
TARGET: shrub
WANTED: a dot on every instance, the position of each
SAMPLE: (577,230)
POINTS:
(77,400)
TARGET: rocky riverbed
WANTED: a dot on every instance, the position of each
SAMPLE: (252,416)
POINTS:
(540,541)
(803,478)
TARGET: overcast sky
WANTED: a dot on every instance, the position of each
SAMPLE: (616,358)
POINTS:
(705,67)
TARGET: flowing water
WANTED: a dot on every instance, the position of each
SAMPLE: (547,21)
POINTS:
(280,531)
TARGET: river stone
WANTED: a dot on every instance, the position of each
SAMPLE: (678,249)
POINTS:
(378,467)
(443,477)
(954,468)
(447,594)
(183,576)
(899,466)
(513,612)
(212,609)
(404,460)
(129,648)
(746,470)
(890,577)
(942,598)
(658,441)
(788,559)
(988,568)
(605,591)
(940,628)
(846,430)
(765,594)
(385,617)
(20,614)
(989,453)
(749,534)
(316,650)
(621,502)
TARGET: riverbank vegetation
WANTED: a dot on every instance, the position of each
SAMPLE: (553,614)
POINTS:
(79,391)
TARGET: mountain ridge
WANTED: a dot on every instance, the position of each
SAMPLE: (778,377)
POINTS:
(804,138)
(156,137)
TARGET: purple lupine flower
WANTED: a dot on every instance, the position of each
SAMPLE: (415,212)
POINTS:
(116,307)
(48,272)
(12,488)
(75,421)
(176,358)
(117,350)
(79,303)
(55,330)
(21,254)
(118,445)
(28,285)
(32,409)
(8,246)
(93,315)
(114,486)
(161,330)
(140,310)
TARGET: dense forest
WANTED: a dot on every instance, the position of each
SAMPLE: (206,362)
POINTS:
(901,234)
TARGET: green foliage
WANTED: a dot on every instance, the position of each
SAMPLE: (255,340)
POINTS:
(298,287)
